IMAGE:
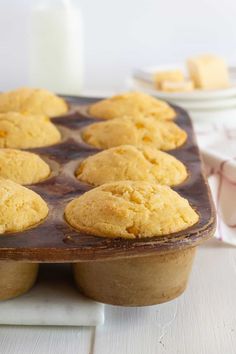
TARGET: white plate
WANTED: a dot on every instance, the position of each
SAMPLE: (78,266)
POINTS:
(144,78)
(204,104)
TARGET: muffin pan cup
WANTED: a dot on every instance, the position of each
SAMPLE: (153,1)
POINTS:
(138,281)
(16,278)
(111,270)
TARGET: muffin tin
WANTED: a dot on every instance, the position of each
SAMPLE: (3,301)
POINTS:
(102,261)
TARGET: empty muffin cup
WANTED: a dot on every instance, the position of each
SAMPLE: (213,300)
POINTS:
(138,281)
(16,278)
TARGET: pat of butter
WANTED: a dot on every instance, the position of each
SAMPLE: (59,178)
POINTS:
(208,72)
(183,86)
(168,75)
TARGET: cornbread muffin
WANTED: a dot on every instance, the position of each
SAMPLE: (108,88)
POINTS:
(127,162)
(139,132)
(22,167)
(20,207)
(132,104)
(26,131)
(34,101)
(130,210)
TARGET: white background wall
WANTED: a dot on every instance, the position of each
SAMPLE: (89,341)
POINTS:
(123,34)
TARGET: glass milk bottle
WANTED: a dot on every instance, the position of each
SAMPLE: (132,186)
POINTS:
(56,46)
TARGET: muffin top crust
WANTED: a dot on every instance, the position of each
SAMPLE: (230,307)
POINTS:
(127,162)
(20,207)
(139,132)
(132,104)
(130,210)
(24,131)
(34,101)
(22,167)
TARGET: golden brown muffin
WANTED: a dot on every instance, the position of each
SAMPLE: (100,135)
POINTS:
(130,210)
(20,207)
(127,162)
(22,167)
(34,101)
(26,131)
(139,132)
(132,104)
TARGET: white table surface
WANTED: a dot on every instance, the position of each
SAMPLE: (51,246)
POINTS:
(201,321)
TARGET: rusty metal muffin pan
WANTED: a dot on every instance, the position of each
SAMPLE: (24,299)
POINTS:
(54,240)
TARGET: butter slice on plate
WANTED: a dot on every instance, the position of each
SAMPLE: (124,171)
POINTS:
(183,86)
(174,75)
(208,72)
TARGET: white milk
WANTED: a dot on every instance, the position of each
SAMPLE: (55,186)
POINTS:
(56,47)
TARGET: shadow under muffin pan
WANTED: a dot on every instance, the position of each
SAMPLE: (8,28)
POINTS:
(127,272)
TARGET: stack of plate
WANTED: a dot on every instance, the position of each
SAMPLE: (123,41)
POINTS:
(200,103)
